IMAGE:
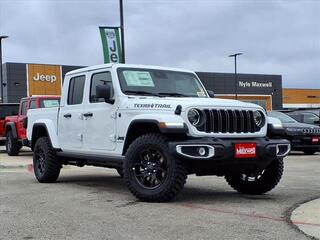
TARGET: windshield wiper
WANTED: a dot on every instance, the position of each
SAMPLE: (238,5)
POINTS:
(173,94)
(141,93)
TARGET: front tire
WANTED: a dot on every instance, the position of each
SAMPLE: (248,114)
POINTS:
(150,172)
(257,183)
(13,146)
(45,163)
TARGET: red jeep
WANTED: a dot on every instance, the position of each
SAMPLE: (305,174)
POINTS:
(14,127)
(6,109)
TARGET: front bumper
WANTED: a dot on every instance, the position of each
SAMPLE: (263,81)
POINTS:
(302,142)
(221,159)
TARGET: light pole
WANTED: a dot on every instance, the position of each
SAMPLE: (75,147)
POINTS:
(1,76)
(122,30)
(235,73)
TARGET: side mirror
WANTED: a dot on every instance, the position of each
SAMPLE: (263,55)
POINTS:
(104,91)
(211,93)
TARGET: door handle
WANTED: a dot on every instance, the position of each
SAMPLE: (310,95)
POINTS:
(68,115)
(88,114)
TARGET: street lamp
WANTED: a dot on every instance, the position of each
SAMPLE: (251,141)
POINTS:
(1,76)
(235,72)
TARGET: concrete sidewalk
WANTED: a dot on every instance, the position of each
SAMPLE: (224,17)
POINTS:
(307,218)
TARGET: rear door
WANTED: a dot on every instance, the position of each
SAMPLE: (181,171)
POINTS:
(99,116)
(21,131)
(70,122)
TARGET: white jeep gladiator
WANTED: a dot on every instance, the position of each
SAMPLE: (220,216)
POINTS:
(155,126)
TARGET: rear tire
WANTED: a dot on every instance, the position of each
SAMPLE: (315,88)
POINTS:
(45,163)
(309,152)
(257,183)
(120,172)
(13,146)
(150,172)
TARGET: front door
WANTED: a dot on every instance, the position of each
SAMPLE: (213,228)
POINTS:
(99,117)
(71,118)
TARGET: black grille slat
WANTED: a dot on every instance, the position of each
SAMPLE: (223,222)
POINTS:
(231,121)
(228,121)
(219,121)
(253,125)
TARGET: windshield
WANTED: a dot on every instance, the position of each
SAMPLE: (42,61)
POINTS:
(282,117)
(160,83)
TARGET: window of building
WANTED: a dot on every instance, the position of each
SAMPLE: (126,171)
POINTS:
(76,87)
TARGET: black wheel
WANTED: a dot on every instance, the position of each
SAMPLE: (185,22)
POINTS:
(120,172)
(151,174)
(13,146)
(309,151)
(257,183)
(45,163)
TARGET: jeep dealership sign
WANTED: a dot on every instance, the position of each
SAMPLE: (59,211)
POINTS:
(43,79)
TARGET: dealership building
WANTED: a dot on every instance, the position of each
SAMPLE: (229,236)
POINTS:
(27,79)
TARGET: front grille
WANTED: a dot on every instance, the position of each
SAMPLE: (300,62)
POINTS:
(228,121)
(311,130)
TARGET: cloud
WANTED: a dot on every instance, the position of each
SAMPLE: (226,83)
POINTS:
(276,37)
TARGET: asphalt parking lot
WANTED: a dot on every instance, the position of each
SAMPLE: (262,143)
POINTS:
(94,203)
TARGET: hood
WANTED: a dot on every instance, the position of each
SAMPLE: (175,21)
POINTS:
(299,125)
(170,103)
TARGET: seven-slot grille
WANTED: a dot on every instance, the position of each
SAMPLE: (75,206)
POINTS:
(228,121)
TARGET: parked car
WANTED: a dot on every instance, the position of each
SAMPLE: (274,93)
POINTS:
(305,116)
(303,137)
(156,125)
(13,128)
(6,109)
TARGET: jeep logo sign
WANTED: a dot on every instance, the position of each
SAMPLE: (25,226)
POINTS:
(43,79)
(48,78)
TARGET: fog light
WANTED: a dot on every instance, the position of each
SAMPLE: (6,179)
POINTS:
(202,151)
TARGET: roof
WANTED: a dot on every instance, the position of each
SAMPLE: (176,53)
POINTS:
(109,65)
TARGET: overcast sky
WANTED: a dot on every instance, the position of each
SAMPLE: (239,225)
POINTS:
(276,37)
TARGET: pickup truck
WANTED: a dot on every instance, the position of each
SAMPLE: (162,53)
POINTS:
(155,125)
(13,127)
(6,109)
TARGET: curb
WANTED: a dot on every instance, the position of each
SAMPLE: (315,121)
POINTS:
(298,212)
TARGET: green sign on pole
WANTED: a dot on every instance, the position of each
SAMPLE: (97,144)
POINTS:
(111,44)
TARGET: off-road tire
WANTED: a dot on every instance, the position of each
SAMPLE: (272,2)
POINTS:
(309,152)
(13,146)
(51,164)
(176,172)
(268,180)
(120,172)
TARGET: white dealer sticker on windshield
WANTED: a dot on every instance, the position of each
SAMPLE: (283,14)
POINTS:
(138,79)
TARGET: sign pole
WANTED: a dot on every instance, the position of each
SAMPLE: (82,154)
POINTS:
(122,30)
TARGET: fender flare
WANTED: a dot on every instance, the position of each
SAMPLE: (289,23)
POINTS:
(48,126)
(11,126)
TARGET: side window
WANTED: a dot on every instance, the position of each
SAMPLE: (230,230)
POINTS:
(23,108)
(102,78)
(75,93)
(310,118)
(33,104)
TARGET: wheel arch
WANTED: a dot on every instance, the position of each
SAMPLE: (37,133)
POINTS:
(43,130)
(11,126)
(139,127)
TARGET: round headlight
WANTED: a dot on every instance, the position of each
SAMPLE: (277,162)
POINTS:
(195,117)
(258,118)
